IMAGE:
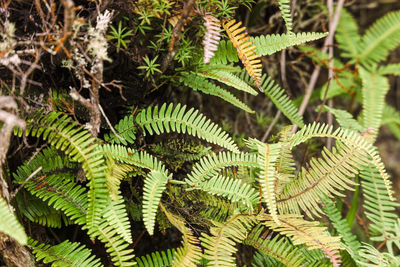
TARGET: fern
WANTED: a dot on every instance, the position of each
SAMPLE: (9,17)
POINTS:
(126,129)
(9,224)
(235,190)
(220,245)
(156,259)
(389,69)
(380,38)
(345,119)
(199,82)
(374,90)
(245,49)
(115,173)
(347,35)
(211,37)
(276,247)
(178,119)
(372,257)
(64,254)
(284,6)
(267,157)
(78,144)
(225,53)
(190,253)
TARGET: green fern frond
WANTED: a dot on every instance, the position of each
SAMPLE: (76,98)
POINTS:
(344,118)
(65,254)
(219,247)
(233,189)
(371,257)
(328,175)
(115,173)
(277,247)
(270,44)
(284,6)
(116,215)
(210,165)
(391,117)
(267,157)
(389,69)
(154,185)
(347,35)
(156,259)
(380,38)
(199,82)
(177,119)
(348,137)
(225,53)
(229,79)
(80,146)
(374,90)
(190,253)
(279,97)
(116,246)
(9,224)
(285,165)
(126,129)
(379,208)
(343,229)
(301,231)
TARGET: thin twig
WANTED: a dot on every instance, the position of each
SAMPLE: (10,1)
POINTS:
(264,138)
(109,124)
(13,194)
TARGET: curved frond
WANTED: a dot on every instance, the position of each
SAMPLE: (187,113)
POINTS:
(348,137)
(65,254)
(328,175)
(281,100)
(380,38)
(190,253)
(277,247)
(179,119)
(233,189)
(219,247)
(226,53)
(344,118)
(272,43)
(347,35)
(389,69)
(245,48)
(370,257)
(198,82)
(210,165)
(284,6)
(267,157)
(116,215)
(9,224)
(211,37)
(156,259)
(154,185)
(115,173)
(126,129)
(374,91)
(80,146)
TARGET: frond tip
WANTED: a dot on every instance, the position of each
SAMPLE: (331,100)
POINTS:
(245,48)
(211,38)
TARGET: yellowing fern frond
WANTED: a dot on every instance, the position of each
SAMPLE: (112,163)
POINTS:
(245,48)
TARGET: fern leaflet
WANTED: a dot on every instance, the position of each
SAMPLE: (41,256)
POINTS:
(211,38)
(10,225)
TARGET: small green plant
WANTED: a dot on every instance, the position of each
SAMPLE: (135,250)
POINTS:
(150,67)
(120,35)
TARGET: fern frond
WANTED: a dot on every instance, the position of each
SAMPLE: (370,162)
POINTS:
(348,36)
(284,6)
(229,79)
(279,97)
(245,48)
(126,129)
(115,172)
(304,232)
(211,37)
(344,118)
(156,259)
(116,246)
(116,215)
(219,247)
(348,137)
(225,53)
(277,247)
(65,254)
(380,38)
(328,175)
(210,165)
(389,69)
(343,229)
(190,253)
(198,82)
(177,119)
(267,157)
(379,208)
(233,189)
(9,224)
(372,257)
(374,90)
(270,44)
(154,185)
(80,146)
